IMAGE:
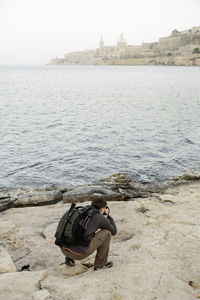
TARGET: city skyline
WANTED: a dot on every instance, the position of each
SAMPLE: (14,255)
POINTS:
(32,32)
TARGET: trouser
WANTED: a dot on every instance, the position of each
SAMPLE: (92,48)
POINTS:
(100,242)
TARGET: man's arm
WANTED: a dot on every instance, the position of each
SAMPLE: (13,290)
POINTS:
(108,223)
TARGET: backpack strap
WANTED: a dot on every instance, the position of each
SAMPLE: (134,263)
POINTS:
(88,210)
(89,213)
(67,219)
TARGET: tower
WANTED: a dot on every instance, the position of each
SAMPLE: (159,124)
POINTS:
(101,43)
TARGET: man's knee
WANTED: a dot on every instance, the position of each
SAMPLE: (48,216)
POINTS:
(106,233)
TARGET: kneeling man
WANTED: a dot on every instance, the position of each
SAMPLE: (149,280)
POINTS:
(100,239)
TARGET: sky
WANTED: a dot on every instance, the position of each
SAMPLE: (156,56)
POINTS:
(34,31)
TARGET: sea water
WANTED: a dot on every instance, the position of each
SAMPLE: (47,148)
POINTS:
(68,125)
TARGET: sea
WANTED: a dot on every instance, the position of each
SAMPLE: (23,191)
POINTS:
(71,125)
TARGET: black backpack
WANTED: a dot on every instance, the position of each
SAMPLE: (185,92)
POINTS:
(73,224)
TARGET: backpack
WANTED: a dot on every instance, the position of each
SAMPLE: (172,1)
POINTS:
(73,224)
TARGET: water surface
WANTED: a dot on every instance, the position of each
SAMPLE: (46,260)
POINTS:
(67,125)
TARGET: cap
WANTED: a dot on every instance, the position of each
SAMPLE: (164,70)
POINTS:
(99,203)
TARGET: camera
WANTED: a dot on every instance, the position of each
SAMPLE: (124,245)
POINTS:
(107,207)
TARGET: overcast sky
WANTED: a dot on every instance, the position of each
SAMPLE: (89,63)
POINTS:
(34,31)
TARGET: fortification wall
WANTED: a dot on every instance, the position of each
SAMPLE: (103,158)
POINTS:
(167,50)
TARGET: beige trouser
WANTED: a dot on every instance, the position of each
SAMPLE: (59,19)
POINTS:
(100,242)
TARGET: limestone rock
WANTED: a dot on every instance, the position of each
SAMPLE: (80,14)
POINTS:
(8,198)
(5,201)
(20,285)
(35,285)
(49,232)
(6,263)
(29,197)
(42,295)
(37,198)
(4,195)
(88,193)
(14,194)
(117,179)
(6,227)
(155,254)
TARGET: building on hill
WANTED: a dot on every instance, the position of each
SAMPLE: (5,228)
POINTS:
(121,43)
(178,48)
(101,43)
(111,52)
(180,43)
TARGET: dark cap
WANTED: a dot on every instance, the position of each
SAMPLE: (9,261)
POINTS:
(99,203)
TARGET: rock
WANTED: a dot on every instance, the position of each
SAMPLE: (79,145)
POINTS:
(42,295)
(156,248)
(118,179)
(6,263)
(49,232)
(90,192)
(186,177)
(63,271)
(120,183)
(20,285)
(14,194)
(37,198)
(9,197)
(5,203)
(4,195)
(6,227)
(35,285)
(29,197)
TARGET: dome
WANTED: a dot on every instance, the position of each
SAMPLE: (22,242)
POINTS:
(121,41)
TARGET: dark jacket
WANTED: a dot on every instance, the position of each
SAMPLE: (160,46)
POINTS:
(98,221)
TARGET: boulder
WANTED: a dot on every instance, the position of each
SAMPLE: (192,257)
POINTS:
(30,197)
(37,198)
(20,285)
(120,183)
(5,201)
(90,192)
(4,204)
(49,232)
(8,197)
(42,295)
(6,263)
(37,285)
(117,179)
(4,195)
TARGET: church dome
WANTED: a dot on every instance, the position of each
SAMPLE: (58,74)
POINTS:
(121,41)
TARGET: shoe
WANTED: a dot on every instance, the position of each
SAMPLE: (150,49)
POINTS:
(106,266)
(69,262)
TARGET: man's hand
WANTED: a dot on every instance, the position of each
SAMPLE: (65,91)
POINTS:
(107,211)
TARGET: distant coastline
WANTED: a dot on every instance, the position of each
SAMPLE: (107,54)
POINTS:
(181,48)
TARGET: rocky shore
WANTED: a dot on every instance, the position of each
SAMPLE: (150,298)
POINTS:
(155,253)
(117,187)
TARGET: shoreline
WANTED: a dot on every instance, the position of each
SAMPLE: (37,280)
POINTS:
(124,65)
(156,247)
(116,187)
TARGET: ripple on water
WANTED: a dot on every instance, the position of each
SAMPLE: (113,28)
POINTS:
(85,123)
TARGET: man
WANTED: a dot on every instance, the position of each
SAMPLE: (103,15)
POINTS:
(100,241)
